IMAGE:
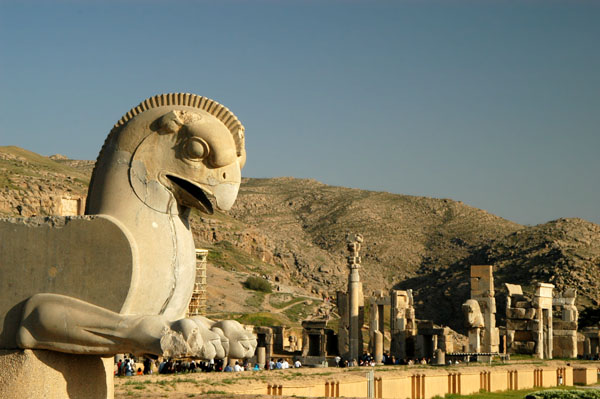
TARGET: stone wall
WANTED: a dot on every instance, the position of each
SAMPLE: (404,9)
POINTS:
(564,324)
(429,383)
(520,316)
(544,325)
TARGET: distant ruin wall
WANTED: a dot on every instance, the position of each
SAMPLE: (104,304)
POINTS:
(427,383)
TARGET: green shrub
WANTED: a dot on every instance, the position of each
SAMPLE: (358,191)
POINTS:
(258,284)
(564,394)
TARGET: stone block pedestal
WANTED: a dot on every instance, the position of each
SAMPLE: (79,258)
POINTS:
(26,374)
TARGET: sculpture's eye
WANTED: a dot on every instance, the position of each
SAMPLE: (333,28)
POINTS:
(196,149)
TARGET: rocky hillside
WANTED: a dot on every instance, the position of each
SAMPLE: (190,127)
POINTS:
(35,184)
(564,252)
(293,231)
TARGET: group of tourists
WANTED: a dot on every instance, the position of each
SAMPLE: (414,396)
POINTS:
(368,360)
(128,366)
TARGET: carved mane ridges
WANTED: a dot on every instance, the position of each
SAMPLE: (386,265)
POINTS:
(216,109)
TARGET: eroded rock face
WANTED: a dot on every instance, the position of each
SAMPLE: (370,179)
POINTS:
(121,281)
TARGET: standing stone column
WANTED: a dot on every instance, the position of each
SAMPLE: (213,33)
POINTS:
(402,320)
(482,290)
(565,330)
(373,323)
(261,356)
(543,326)
(378,347)
(344,324)
(475,324)
(354,294)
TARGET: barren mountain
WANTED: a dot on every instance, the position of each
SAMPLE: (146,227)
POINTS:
(293,231)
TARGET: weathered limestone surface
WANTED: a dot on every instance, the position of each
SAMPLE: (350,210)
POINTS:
(120,281)
(475,324)
(520,313)
(314,341)
(98,274)
(543,304)
(482,291)
(591,344)
(53,375)
(402,321)
(531,327)
(565,327)
(351,304)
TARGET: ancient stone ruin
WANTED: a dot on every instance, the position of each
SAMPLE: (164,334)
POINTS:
(402,322)
(119,279)
(351,304)
(590,347)
(564,324)
(276,341)
(317,342)
(481,311)
(410,337)
(529,328)
(543,325)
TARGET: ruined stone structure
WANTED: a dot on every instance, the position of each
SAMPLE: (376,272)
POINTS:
(351,304)
(197,306)
(403,326)
(277,340)
(529,325)
(475,324)
(591,343)
(482,291)
(430,338)
(71,206)
(119,280)
(376,324)
(317,342)
(543,327)
(564,324)
(410,338)
(265,340)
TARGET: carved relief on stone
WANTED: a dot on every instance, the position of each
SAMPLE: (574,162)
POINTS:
(120,279)
(472,313)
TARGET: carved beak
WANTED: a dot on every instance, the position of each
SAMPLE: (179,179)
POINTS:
(218,189)
(190,194)
(202,196)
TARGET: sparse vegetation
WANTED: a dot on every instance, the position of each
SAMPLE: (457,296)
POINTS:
(261,319)
(298,312)
(521,394)
(565,394)
(256,299)
(258,284)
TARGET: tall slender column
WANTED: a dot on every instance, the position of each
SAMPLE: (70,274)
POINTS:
(354,291)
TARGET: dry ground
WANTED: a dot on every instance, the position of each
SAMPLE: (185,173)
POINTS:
(222,385)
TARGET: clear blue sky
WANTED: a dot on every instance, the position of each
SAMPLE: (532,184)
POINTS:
(494,103)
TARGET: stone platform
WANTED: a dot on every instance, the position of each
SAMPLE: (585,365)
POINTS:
(53,375)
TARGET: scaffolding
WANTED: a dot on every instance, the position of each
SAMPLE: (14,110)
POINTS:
(197,306)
